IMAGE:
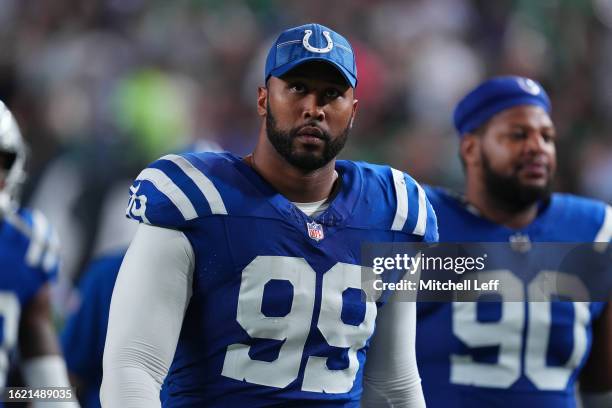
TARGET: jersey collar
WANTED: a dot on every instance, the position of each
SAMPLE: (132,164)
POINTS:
(340,208)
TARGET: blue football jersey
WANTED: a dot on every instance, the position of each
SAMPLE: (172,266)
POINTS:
(508,354)
(84,334)
(276,317)
(28,259)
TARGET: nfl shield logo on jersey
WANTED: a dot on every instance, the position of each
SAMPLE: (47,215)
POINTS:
(315,231)
(520,242)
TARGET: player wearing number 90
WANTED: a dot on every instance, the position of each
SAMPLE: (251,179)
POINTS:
(244,273)
(28,261)
(533,352)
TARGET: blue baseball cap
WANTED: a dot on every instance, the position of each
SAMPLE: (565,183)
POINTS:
(495,95)
(311,42)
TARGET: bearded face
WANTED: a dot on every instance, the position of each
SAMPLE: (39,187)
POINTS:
(517,156)
(510,189)
(301,155)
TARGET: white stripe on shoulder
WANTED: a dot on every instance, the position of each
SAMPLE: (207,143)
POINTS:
(420,227)
(51,259)
(205,185)
(20,225)
(167,187)
(605,232)
(401,193)
(38,239)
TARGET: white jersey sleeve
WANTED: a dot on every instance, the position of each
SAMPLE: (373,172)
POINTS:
(391,377)
(149,301)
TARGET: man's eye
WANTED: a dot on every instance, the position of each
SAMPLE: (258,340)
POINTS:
(297,87)
(548,137)
(518,135)
(332,93)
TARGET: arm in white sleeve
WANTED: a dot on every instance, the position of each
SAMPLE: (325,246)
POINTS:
(42,364)
(47,371)
(149,301)
(391,376)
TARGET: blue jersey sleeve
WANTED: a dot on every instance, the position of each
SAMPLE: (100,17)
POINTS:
(85,330)
(173,191)
(414,213)
(84,334)
(42,255)
(431,232)
(31,247)
(579,219)
(395,201)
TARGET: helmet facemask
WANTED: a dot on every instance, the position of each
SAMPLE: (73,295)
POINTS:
(13,154)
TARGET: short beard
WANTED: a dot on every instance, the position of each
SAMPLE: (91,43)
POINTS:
(307,162)
(508,192)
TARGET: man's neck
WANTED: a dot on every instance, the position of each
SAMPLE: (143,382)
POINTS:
(293,183)
(499,212)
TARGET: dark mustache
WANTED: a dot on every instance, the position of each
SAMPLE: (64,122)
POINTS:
(311,129)
(526,163)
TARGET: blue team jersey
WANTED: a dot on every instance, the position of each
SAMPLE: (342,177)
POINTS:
(28,259)
(515,353)
(84,334)
(276,317)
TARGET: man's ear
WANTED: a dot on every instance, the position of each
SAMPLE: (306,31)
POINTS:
(355,103)
(470,149)
(262,98)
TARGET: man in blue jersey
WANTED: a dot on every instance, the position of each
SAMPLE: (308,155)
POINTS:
(85,330)
(242,286)
(514,354)
(28,261)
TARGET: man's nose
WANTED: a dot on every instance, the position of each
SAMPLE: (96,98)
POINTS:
(535,142)
(313,108)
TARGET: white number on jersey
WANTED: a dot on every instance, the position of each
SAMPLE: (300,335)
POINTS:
(508,331)
(293,328)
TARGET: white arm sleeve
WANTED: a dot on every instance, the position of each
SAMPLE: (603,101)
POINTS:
(149,301)
(47,371)
(391,377)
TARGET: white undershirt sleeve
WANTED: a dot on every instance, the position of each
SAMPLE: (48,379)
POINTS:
(44,371)
(391,376)
(149,301)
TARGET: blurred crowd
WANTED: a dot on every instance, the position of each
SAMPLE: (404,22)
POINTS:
(102,87)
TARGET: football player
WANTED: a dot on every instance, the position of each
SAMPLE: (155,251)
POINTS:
(28,261)
(242,286)
(85,331)
(513,354)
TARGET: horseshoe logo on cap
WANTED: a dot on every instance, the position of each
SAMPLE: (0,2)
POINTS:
(328,48)
(529,86)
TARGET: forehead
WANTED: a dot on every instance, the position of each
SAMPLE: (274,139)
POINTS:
(522,115)
(317,71)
